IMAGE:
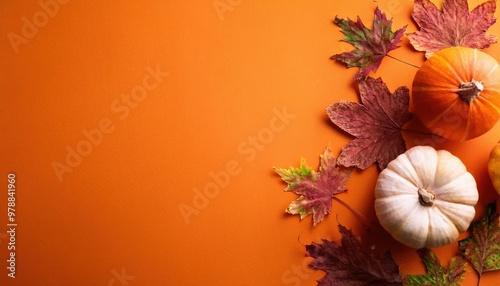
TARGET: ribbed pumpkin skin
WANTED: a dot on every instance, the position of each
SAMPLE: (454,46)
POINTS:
(435,93)
(494,167)
(397,200)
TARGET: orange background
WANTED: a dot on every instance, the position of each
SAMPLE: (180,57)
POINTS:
(208,121)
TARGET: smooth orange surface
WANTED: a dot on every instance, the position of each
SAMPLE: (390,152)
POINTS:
(180,109)
(434,93)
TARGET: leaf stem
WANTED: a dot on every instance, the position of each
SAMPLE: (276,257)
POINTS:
(401,61)
(365,220)
(419,132)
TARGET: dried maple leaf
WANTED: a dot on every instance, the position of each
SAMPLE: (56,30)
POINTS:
(482,247)
(316,189)
(371,46)
(350,264)
(453,26)
(436,273)
(376,124)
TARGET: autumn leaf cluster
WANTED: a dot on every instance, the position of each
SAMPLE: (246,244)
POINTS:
(350,263)
(376,124)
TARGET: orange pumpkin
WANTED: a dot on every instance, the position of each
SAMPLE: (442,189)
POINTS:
(456,93)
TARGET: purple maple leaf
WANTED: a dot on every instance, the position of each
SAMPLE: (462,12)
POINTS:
(452,26)
(350,264)
(376,123)
(316,189)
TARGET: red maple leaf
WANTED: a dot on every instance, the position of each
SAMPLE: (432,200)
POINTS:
(350,264)
(371,46)
(316,189)
(376,124)
(452,26)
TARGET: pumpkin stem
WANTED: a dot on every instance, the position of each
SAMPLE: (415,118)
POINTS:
(426,197)
(468,91)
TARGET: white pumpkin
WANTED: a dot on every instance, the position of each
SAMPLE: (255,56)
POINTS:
(425,198)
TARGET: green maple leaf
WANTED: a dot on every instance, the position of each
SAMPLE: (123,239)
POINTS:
(482,247)
(436,273)
(293,176)
(371,46)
